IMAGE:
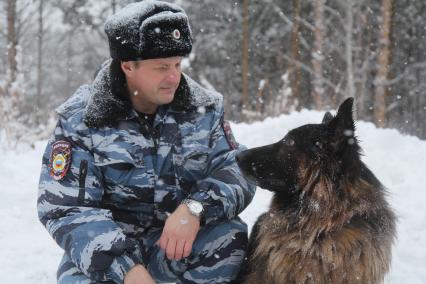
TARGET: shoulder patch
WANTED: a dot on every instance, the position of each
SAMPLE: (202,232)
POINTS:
(229,135)
(60,159)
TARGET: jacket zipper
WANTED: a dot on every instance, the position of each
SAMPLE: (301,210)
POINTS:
(151,131)
(147,129)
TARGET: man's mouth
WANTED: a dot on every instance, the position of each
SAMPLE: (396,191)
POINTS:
(167,89)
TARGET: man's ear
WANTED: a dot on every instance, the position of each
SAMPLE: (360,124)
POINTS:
(342,126)
(127,67)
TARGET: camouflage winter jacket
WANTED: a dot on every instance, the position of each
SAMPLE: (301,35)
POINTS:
(107,177)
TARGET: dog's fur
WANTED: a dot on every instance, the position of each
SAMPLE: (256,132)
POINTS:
(328,221)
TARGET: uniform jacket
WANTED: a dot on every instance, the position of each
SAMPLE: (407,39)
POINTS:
(124,177)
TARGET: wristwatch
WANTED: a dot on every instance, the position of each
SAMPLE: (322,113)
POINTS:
(195,207)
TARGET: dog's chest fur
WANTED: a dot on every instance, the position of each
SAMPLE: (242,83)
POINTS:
(286,253)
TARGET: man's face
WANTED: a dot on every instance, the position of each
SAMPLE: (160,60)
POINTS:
(152,82)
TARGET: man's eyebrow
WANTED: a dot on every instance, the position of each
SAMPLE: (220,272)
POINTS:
(162,64)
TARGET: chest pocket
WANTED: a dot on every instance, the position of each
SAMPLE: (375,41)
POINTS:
(192,159)
(128,180)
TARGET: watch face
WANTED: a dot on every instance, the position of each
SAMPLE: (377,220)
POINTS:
(196,207)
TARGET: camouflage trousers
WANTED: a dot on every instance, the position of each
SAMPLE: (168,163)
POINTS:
(216,257)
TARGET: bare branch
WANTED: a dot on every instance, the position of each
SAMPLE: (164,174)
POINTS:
(336,14)
(310,71)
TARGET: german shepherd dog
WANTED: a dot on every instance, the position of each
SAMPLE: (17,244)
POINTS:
(328,221)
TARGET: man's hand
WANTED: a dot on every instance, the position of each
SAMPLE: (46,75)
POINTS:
(179,233)
(138,275)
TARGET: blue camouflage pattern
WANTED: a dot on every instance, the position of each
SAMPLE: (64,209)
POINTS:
(108,210)
(216,258)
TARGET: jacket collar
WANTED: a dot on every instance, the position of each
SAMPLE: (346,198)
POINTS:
(109,101)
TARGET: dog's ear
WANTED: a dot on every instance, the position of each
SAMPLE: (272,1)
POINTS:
(327,118)
(342,126)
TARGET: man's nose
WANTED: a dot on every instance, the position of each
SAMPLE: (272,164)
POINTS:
(174,76)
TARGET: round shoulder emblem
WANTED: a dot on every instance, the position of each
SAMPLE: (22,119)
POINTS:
(58,163)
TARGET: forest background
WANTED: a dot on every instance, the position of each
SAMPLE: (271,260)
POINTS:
(266,57)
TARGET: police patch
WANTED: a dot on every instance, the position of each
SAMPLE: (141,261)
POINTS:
(229,135)
(60,159)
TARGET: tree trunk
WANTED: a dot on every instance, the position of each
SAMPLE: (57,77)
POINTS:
(260,102)
(294,70)
(349,50)
(245,57)
(12,40)
(383,65)
(114,6)
(40,53)
(362,55)
(69,54)
(317,55)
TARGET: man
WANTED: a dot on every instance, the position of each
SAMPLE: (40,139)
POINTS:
(139,181)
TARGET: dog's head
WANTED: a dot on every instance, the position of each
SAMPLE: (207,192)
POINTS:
(329,147)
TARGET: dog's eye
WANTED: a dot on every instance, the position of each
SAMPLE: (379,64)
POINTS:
(289,142)
(318,144)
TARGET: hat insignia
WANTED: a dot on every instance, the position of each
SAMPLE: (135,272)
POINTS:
(176,34)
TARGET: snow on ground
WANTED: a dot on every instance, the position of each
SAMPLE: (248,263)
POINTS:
(29,255)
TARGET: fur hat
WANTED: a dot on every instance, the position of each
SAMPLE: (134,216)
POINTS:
(148,29)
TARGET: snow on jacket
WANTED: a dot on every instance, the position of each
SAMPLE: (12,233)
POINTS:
(125,178)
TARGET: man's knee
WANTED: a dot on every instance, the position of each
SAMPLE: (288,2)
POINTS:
(217,254)
(68,273)
(232,233)
(224,242)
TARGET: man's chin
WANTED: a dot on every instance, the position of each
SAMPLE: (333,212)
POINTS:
(167,98)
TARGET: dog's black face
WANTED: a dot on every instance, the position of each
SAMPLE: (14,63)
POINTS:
(331,145)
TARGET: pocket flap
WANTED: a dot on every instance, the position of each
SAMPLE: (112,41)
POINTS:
(114,157)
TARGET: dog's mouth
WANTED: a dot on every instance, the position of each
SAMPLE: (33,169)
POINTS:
(271,184)
(268,183)
(260,171)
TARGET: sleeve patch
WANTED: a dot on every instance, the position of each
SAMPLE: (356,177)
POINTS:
(229,135)
(60,159)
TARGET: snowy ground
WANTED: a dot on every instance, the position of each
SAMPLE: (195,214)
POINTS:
(30,256)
